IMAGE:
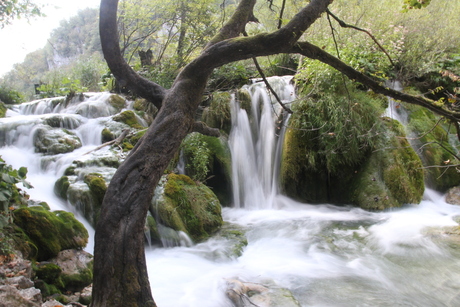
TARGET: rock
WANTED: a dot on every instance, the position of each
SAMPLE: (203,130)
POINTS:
(246,294)
(51,231)
(31,294)
(187,206)
(53,141)
(20,282)
(453,196)
(12,297)
(86,295)
(77,268)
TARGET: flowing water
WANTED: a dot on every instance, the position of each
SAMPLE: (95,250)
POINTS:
(325,255)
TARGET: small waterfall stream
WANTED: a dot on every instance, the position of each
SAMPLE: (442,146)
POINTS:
(325,255)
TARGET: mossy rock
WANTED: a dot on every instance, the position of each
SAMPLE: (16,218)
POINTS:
(435,147)
(97,186)
(218,114)
(383,174)
(48,272)
(189,207)
(51,231)
(78,281)
(129,118)
(61,186)
(117,102)
(107,135)
(392,176)
(53,141)
(208,160)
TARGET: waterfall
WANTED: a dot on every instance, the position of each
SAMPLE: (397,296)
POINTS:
(255,144)
(83,116)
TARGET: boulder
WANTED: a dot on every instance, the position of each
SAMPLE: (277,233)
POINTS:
(453,196)
(76,268)
(51,231)
(53,141)
(185,205)
(12,297)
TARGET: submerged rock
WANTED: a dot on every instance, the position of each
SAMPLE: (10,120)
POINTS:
(453,196)
(265,294)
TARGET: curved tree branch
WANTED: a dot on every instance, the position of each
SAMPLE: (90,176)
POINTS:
(124,74)
(313,52)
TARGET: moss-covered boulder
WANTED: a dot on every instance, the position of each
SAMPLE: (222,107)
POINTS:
(2,109)
(434,144)
(342,152)
(53,141)
(207,159)
(392,176)
(76,269)
(117,102)
(50,231)
(187,206)
(129,118)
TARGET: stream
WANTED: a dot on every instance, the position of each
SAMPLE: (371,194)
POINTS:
(325,255)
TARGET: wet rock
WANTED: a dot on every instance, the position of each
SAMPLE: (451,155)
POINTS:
(266,294)
(184,205)
(53,141)
(453,196)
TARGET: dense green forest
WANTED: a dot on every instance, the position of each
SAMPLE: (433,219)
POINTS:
(419,47)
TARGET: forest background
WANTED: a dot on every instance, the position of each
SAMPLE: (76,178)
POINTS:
(424,47)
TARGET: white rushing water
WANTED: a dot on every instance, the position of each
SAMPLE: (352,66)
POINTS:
(325,255)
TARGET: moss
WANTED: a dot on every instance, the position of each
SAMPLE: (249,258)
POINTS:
(129,118)
(391,176)
(244,98)
(117,102)
(97,187)
(435,148)
(107,135)
(218,114)
(61,186)
(45,288)
(76,282)
(70,171)
(49,272)
(50,232)
(2,110)
(207,159)
(189,207)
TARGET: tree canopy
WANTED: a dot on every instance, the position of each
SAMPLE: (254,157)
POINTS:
(15,9)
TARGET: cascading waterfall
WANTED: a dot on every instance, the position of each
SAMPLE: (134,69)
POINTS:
(323,254)
(255,145)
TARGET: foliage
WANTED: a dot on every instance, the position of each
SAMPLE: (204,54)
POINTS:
(418,4)
(341,122)
(65,87)
(199,156)
(10,96)
(9,193)
(16,9)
